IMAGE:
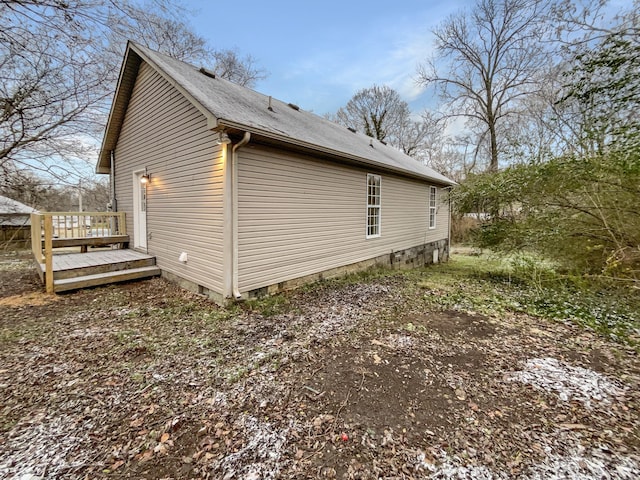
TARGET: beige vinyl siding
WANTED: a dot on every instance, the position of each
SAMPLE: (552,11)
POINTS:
(298,216)
(165,133)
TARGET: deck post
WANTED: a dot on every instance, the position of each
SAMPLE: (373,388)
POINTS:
(36,236)
(122,224)
(48,252)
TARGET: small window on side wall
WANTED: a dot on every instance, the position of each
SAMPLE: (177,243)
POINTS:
(432,207)
(373,205)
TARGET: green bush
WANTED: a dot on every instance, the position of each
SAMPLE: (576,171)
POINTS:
(581,213)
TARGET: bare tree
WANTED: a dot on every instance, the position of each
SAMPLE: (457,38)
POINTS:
(231,65)
(486,63)
(376,111)
(160,31)
(598,99)
(379,112)
(588,93)
(412,137)
(59,62)
(579,24)
(50,79)
(165,30)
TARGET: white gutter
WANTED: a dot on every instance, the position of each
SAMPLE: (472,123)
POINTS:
(112,181)
(440,179)
(234,213)
(449,221)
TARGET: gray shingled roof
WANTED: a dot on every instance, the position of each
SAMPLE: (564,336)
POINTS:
(229,105)
(13,212)
(8,205)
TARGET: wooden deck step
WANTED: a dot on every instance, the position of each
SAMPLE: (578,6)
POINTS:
(80,265)
(75,283)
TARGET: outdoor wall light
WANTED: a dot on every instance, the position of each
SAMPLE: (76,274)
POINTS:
(146,178)
(223,139)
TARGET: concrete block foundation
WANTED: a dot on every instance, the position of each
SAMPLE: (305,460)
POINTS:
(408,258)
(413,257)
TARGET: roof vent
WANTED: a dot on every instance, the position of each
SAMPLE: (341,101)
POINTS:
(351,129)
(294,106)
(270,108)
(371,143)
(383,142)
(207,72)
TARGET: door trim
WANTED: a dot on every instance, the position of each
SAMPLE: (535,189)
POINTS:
(139,212)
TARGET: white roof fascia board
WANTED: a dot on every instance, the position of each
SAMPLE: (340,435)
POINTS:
(105,137)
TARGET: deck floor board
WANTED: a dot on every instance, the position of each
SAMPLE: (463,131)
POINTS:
(70,261)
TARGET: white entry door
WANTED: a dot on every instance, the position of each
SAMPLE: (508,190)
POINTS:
(139,211)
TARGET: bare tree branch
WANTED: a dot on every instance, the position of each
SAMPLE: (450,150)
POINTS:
(489,57)
(59,62)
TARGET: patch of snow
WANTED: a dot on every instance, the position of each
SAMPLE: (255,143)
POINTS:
(45,448)
(258,357)
(452,468)
(323,326)
(400,342)
(91,332)
(570,383)
(598,464)
(122,312)
(260,457)
(219,399)
(342,311)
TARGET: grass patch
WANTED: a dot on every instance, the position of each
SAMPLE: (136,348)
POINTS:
(492,285)
(269,306)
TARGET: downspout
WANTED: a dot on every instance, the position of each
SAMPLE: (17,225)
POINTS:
(112,181)
(234,213)
(449,223)
(112,185)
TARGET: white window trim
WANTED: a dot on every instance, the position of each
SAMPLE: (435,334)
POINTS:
(433,207)
(379,207)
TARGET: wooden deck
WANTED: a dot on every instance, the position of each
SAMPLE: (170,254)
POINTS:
(61,270)
(72,271)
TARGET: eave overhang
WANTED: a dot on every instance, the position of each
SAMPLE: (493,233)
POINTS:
(270,138)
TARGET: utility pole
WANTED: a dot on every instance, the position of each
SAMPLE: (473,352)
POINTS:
(80,195)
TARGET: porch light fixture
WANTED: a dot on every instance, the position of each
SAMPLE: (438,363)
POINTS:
(223,139)
(146,178)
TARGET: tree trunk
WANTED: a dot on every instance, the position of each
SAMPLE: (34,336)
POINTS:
(493,164)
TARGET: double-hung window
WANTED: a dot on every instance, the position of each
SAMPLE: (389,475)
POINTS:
(432,207)
(373,205)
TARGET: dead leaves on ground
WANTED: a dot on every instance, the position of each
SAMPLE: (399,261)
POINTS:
(352,381)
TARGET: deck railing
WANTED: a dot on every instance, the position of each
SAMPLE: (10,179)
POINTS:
(71,228)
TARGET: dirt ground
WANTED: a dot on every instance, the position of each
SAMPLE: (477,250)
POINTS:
(359,380)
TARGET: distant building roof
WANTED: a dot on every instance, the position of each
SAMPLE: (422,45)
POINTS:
(8,205)
(233,107)
(14,213)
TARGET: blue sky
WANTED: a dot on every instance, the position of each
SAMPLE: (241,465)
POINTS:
(320,53)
